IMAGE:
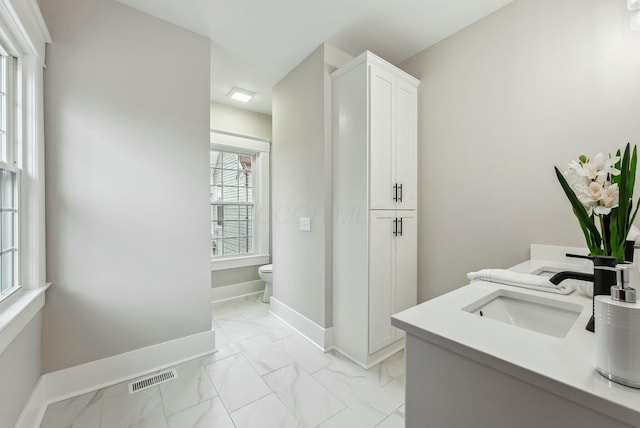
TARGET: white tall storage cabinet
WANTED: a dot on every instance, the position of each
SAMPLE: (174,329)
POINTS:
(375,202)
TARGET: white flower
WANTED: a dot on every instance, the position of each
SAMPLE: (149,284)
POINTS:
(608,199)
(575,180)
(596,167)
(598,196)
(587,195)
(589,180)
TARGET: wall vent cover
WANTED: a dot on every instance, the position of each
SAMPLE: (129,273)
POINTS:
(154,380)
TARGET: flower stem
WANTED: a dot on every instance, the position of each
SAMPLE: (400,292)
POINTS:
(605,236)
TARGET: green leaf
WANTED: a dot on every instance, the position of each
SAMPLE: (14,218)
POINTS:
(632,170)
(625,189)
(621,218)
(613,237)
(590,244)
(622,215)
(632,174)
(618,166)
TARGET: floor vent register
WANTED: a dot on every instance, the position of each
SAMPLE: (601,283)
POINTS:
(153,380)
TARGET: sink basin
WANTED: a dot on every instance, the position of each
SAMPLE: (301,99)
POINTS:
(547,316)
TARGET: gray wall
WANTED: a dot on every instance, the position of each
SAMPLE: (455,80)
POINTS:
(240,121)
(301,186)
(531,86)
(127,131)
(19,371)
(252,124)
(221,278)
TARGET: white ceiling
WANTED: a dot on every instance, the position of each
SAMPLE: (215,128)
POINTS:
(257,42)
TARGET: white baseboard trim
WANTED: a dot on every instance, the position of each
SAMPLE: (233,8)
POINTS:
(66,383)
(319,336)
(234,291)
(377,357)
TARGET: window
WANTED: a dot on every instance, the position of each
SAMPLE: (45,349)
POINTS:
(232,206)
(239,196)
(9,173)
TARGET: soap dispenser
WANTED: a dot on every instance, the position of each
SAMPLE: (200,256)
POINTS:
(618,332)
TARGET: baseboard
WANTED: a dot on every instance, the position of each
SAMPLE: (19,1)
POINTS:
(319,336)
(66,383)
(237,290)
(377,357)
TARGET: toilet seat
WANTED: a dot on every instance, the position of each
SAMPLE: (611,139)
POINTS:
(266,269)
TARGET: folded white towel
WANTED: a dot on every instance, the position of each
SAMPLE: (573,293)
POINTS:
(524,280)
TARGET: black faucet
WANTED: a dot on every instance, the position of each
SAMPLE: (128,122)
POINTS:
(561,276)
(603,277)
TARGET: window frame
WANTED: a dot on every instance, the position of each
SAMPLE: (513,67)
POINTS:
(240,144)
(10,150)
(23,35)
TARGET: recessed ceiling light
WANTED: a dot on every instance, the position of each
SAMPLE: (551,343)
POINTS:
(241,95)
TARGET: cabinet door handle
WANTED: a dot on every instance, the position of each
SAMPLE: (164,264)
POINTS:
(395,192)
(399,199)
(400,233)
(395,227)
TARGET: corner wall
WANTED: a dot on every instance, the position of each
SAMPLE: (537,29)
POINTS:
(301,186)
(127,140)
(531,86)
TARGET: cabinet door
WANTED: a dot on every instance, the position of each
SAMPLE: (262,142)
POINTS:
(381,279)
(381,139)
(406,144)
(406,264)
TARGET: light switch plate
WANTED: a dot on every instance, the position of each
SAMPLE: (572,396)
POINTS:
(305,224)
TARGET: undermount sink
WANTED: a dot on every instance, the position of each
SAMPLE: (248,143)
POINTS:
(547,316)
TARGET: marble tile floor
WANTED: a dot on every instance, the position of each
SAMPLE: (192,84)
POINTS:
(263,375)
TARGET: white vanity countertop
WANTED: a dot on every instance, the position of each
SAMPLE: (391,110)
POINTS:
(564,366)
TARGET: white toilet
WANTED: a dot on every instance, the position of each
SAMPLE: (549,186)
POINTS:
(266,274)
